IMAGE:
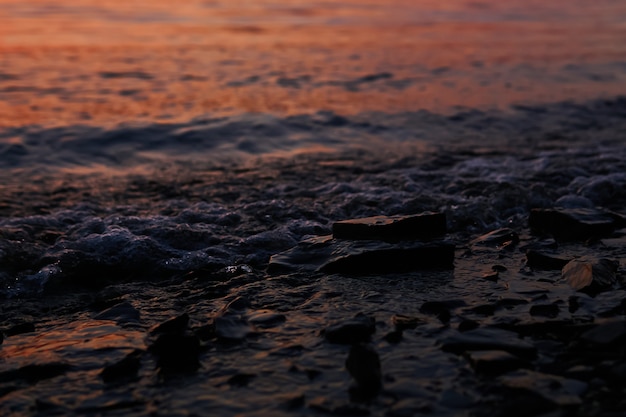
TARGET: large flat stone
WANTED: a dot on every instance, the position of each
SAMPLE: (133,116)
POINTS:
(363,257)
(392,228)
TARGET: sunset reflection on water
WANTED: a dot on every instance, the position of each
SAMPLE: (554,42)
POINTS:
(103,62)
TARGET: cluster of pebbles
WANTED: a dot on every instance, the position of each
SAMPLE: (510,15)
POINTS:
(541,331)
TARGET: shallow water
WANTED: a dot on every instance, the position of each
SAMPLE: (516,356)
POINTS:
(159,156)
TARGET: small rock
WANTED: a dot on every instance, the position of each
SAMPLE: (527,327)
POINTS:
(177,325)
(266,319)
(35,372)
(176,352)
(494,362)
(499,239)
(126,368)
(363,364)
(356,330)
(541,260)
(121,313)
(402,322)
(391,228)
(608,333)
(393,337)
(572,223)
(241,380)
(561,392)
(488,339)
(545,310)
(591,276)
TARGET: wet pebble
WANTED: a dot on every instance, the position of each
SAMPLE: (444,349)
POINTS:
(591,276)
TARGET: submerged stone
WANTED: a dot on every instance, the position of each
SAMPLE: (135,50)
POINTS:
(573,223)
(559,391)
(355,330)
(176,352)
(121,313)
(494,362)
(542,260)
(604,334)
(591,276)
(392,228)
(363,257)
(488,339)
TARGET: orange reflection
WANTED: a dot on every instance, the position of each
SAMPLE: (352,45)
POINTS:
(100,62)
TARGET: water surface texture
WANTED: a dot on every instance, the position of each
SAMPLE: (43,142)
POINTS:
(154,155)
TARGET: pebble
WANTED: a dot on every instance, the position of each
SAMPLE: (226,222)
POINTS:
(591,276)
(424,225)
(488,339)
(572,223)
(363,364)
(356,330)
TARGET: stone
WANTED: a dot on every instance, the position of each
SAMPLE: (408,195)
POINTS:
(177,324)
(498,239)
(605,334)
(363,364)
(537,259)
(363,257)
(391,228)
(591,276)
(545,310)
(573,223)
(494,362)
(124,369)
(356,330)
(176,352)
(489,339)
(403,322)
(35,372)
(121,313)
(559,391)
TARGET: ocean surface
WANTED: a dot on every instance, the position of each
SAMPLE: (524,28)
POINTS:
(148,141)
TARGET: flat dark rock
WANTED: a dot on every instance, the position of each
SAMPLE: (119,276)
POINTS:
(494,362)
(537,259)
(363,257)
(557,390)
(488,339)
(355,330)
(573,223)
(417,226)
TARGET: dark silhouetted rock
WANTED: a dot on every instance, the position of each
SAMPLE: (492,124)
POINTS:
(559,391)
(545,310)
(542,260)
(489,339)
(394,337)
(389,260)
(494,362)
(391,228)
(121,313)
(500,238)
(177,325)
(356,330)
(363,257)
(176,352)
(363,364)
(591,276)
(125,369)
(467,325)
(21,328)
(572,223)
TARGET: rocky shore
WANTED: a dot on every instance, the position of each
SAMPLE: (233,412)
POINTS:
(534,326)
